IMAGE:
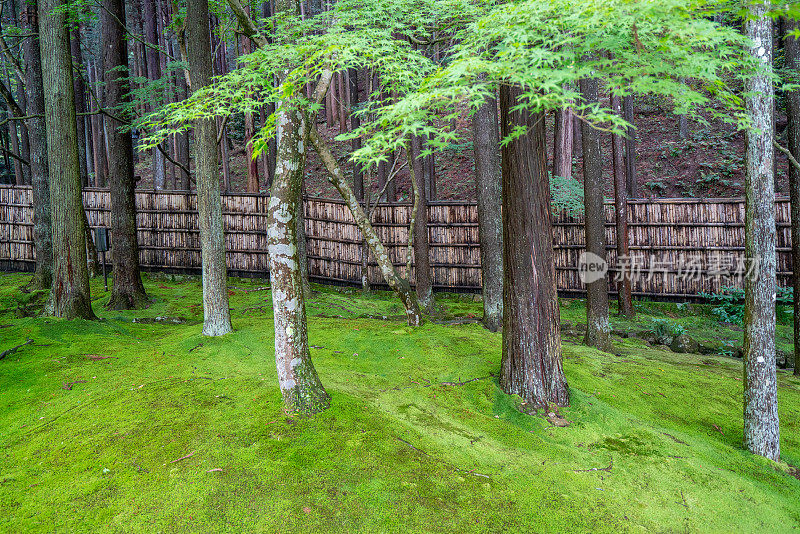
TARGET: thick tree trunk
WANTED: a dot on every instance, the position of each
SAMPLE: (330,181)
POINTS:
(624,289)
(531,365)
(562,143)
(395,282)
(761,429)
(488,186)
(598,328)
(792,54)
(209,203)
(422,260)
(128,290)
(69,296)
(42,231)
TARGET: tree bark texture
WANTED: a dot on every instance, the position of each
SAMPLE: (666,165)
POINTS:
(488,186)
(80,103)
(422,260)
(531,364)
(761,430)
(69,295)
(598,327)
(792,54)
(209,202)
(562,143)
(154,73)
(128,290)
(630,149)
(624,289)
(42,230)
(300,385)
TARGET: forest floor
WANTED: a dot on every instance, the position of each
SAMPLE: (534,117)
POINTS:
(119,425)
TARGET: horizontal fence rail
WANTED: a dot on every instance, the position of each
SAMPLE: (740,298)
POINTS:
(678,247)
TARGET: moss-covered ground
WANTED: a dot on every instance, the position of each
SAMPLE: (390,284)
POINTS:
(120,426)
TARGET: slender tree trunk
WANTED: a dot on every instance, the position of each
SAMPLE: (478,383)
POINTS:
(151,16)
(80,103)
(562,143)
(488,186)
(430,176)
(300,385)
(253,184)
(792,54)
(598,328)
(209,203)
(630,149)
(394,281)
(761,428)
(128,290)
(69,296)
(42,231)
(100,154)
(624,290)
(355,144)
(422,260)
(531,365)
(24,144)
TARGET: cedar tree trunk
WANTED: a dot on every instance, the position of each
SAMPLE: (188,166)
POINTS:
(598,328)
(486,139)
(69,295)
(128,290)
(209,202)
(531,364)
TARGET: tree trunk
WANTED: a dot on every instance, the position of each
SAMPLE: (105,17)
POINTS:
(69,296)
(394,281)
(128,290)
(598,328)
(300,385)
(253,185)
(761,430)
(562,143)
(217,313)
(99,142)
(80,103)
(430,176)
(624,289)
(531,364)
(355,144)
(42,231)
(488,187)
(792,54)
(630,149)
(422,260)
(154,73)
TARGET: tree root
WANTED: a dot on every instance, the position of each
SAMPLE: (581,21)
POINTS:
(12,350)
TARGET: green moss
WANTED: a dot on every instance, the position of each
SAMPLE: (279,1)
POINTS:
(409,444)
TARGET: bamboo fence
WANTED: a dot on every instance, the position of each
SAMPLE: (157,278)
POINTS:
(679,247)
